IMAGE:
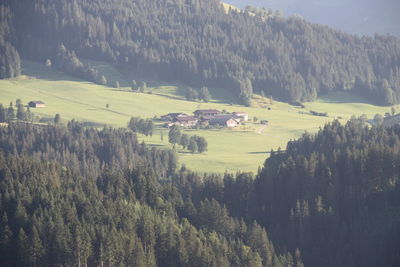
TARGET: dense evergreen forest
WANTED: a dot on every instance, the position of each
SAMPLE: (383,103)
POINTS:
(335,196)
(78,196)
(75,196)
(198,43)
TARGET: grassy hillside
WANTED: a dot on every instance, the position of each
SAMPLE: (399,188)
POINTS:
(244,148)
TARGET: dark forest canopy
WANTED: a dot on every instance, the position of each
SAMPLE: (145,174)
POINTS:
(76,196)
(198,43)
(10,63)
(335,196)
(71,194)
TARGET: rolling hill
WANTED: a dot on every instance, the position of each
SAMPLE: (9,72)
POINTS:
(242,149)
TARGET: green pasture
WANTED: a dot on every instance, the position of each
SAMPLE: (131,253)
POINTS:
(244,148)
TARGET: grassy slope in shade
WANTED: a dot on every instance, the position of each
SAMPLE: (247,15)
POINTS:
(229,149)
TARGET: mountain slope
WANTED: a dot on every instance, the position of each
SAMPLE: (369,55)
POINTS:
(198,43)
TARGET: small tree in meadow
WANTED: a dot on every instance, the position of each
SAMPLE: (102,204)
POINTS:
(202,145)
(174,135)
(184,142)
(192,145)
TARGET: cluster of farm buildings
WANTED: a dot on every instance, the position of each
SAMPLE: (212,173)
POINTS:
(210,116)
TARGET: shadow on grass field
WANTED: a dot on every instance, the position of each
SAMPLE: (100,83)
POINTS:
(344,98)
(41,72)
(174,90)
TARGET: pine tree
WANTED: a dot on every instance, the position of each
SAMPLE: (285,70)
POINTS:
(22,246)
(139,255)
(10,113)
(57,119)
(35,249)
(3,114)
(6,237)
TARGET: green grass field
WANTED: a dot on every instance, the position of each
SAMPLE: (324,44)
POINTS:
(231,150)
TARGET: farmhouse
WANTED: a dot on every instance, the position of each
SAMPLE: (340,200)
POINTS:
(172,116)
(37,104)
(188,121)
(224,121)
(206,112)
(243,116)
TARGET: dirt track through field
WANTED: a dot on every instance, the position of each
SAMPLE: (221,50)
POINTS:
(262,129)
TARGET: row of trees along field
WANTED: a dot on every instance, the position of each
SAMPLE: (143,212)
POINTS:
(15,112)
(74,196)
(198,43)
(192,143)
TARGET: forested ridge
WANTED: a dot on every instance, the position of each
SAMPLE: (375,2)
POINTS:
(76,196)
(198,43)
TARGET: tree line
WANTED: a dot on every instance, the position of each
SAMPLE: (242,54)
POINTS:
(193,95)
(200,44)
(192,143)
(15,111)
(143,126)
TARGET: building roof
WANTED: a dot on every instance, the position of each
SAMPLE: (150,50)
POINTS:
(239,113)
(207,111)
(186,119)
(37,102)
(221,120)
(174,115)
(220,116)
